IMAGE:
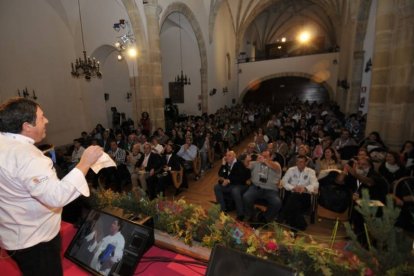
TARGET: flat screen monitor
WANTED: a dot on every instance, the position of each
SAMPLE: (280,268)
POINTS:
(106,244)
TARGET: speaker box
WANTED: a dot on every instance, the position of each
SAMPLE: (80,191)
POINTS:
(230,262)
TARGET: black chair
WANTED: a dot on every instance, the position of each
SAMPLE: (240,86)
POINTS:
(404,191)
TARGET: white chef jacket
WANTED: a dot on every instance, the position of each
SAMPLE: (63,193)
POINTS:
(306,178)
(31,195)
(117,241)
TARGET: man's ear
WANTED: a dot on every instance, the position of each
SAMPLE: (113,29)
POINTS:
(26,127)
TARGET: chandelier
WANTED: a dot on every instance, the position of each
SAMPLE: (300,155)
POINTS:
(86,67)
(181,79)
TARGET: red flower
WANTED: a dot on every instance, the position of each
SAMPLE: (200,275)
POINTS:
(271,246)
(368,272)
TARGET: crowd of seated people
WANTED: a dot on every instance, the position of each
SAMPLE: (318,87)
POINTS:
(302,141)
(301,145)
(146,159)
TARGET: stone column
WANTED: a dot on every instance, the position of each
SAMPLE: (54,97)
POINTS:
(152,99)
(355,91)
(391,101)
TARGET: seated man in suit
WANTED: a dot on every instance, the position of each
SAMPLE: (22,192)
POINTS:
(150,164)
(170,162)
(232,181)
(265,178)
(300,182)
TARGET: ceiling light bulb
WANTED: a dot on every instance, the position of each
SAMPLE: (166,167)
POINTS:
(117,44)
(132,52)
(304,37)
(119,57)
(283,39)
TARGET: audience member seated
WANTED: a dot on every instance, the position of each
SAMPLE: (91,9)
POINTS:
(265,178)
(328,161)
(121,174)
(132,159)
(334,194)
(280,146)
(170,162)
(149,165)
(205,145)
(77,152)
(261,143)
(251,150)
(119,137)
(188,152)
(344,141)
(131,141)
(157,147)
(361,175)
(319,148)
(372,141)
(162,137)
(261,133)
(232,183)
(106,140)
(227,137)
(391,169)
(85,139)
(300,182)
(303,151)
(407,156)
(404,197)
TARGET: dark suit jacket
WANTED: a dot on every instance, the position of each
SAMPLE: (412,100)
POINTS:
(174,162)
(378,191)
(154,162)
(237,174)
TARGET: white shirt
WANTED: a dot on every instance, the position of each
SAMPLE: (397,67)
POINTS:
(307,178)
(31,195)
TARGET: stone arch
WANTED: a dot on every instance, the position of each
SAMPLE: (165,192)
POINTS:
(186,11)
(290,74)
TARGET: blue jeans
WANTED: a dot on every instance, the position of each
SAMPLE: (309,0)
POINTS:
(236,193)
(270,196)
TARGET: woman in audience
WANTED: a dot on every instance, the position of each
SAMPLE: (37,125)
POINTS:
(391,169)
(407,154)
(372,141)
(327,161)
(320,148)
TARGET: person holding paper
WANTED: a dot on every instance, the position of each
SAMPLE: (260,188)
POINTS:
(31,195)
(361,175)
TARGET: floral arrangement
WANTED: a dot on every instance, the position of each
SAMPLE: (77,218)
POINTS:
(191,223)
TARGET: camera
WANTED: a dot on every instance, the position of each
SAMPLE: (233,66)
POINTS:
(263,179)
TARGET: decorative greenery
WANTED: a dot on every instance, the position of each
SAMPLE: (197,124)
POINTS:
(191,222)
(389,249)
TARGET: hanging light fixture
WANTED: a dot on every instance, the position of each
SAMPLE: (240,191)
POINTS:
(125,42)
(86,67)
(181,79)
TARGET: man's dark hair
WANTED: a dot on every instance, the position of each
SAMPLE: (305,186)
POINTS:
(120,224)
(15,112)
